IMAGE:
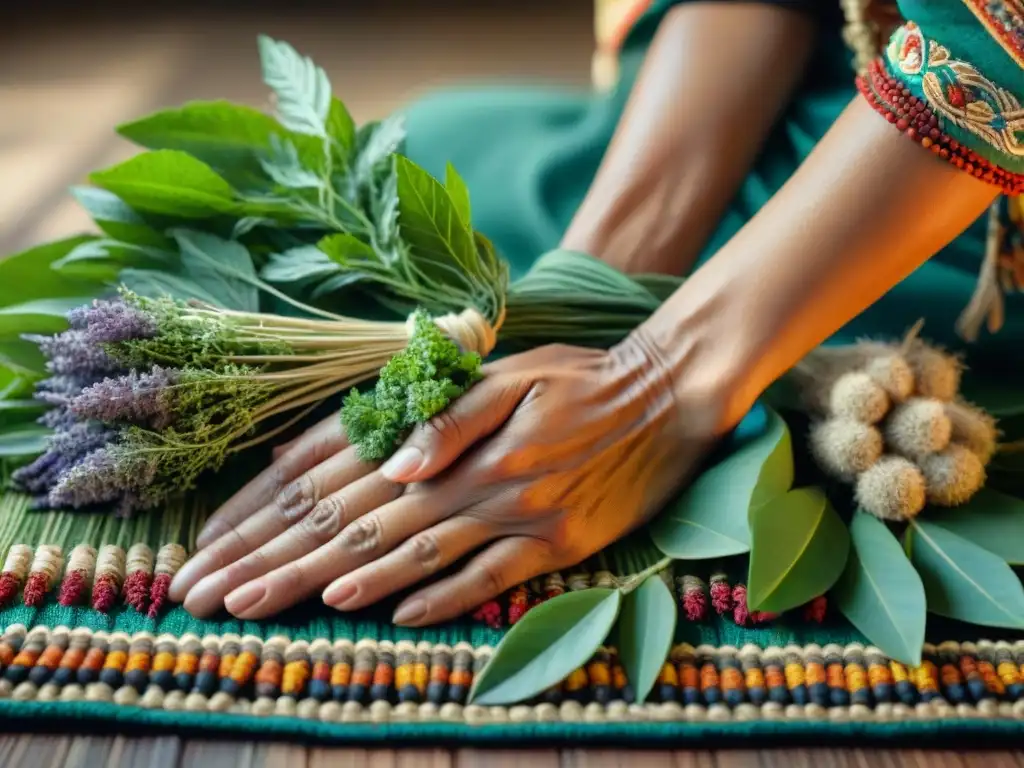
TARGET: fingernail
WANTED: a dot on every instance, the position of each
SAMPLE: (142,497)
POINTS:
(402,463)
(245,597)
(410,613)
(339,594)
(185,579)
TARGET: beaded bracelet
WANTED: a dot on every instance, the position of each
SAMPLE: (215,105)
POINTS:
(912,116)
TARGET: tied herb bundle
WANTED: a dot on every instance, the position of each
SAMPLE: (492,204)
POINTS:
(147,394)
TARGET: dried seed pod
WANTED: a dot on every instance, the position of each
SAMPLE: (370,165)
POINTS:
(892,373)
(918,427)
(818,372)
(936,374)
(857,396)
(974,429)
(892,489)
(953,476)
(844,448)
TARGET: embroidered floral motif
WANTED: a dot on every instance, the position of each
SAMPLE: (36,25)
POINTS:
(958,92)
(1004,19)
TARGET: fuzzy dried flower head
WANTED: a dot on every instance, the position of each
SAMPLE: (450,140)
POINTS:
(936,374)
(857,396)
(917,428)
(974,429)
(892,489)
(953,476)
(892,373)
(146,399)
(845,447)
(112,320)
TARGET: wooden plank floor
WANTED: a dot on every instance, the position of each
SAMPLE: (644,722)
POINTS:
(62,89)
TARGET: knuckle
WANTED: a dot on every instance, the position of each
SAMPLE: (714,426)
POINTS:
(297,498)
(364,536)
(426,552)
(492,580)
(326,518)
(443,426)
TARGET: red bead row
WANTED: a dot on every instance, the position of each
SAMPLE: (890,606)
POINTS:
(915,118)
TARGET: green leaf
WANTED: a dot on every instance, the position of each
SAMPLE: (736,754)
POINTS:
(646,628)
(441,241)
(962,580)
(303,89)
(157,284)
(459,193)
(222,268)
(44,316)
(348,252)
(880,593)
(27,441)
(27,275)
(297,265)
(376,143)
(284,166)
(340,125)
(992,520)
(23,357)
(798,548)
(20,413)
(710,519)
(102,260)
(117,219)
(166,181)
(546,645)
(228,137)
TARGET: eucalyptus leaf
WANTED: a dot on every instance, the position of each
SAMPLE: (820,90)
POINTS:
(223,268)
(26,275)
(798,549)
(118,220)
(992,520)
(302,88)
(963,581)
(24,441)
(550,642)
(169,182)
(710,519)
(646,629)
(43,316)
(880,593)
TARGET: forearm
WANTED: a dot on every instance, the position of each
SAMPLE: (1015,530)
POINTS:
(866,209)
(714,80)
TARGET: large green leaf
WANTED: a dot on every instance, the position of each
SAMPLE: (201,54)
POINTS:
(169,182)
(880,593)
(302,88)
(992,520)
(459,194)
(798,549)
(22,357)
(298,265)
(24,441)
(44,316)
(441,241)
(156,284)
(223,268)
(27,275)
(228,137)
(20,413)
(546,645)
(646,628)
(710,519)
(102,260)
(962,580)
(118,220)
(341,127)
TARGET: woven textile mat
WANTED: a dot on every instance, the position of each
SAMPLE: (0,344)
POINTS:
(87,638)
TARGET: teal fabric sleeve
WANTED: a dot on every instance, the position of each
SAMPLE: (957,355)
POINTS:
(948,57)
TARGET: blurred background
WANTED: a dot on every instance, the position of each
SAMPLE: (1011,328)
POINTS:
(70,74)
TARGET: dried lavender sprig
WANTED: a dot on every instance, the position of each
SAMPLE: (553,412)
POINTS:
(138,398)
(111,320)
(74,353)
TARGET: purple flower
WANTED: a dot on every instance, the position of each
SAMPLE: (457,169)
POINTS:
(111,320)
(66,448)
(138,398)
(59,390)
(74,353)
(104,475)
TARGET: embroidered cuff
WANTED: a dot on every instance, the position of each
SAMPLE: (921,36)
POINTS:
(950,107)
(1004,20)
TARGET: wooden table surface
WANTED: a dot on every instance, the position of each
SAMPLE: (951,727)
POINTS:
(62,89)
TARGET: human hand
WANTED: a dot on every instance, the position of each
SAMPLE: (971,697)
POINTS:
(554,455)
